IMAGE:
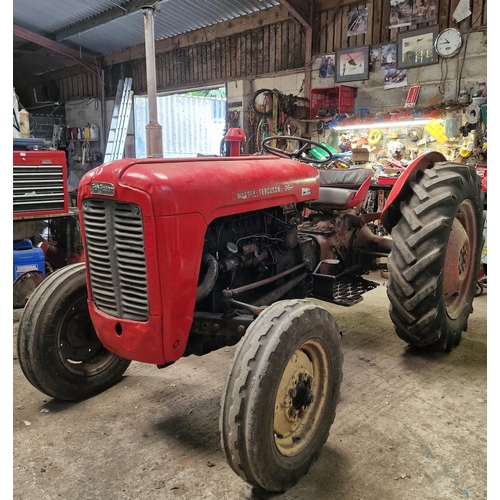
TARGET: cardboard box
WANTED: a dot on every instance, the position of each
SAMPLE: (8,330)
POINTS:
(360,155)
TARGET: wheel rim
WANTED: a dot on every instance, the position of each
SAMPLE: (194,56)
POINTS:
(300,400)
(80,350)
(459,265)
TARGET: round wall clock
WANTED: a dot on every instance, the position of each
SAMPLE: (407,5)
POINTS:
(449,42)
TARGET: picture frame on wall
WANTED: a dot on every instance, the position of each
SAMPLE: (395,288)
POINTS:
(352,64)
(416,48)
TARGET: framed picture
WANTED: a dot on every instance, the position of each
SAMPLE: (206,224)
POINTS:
(352,64)
(416,48)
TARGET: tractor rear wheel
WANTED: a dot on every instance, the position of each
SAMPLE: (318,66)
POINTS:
(57,346)
(435,257)
(282,394)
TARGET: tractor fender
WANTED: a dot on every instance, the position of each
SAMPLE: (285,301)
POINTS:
(391,212)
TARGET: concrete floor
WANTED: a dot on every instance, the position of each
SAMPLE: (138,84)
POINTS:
(410,425)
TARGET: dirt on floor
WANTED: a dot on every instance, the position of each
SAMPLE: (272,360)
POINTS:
(410,425)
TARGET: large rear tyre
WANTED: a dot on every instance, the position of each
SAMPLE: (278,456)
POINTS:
(57,346)
(435,257)
(282,394)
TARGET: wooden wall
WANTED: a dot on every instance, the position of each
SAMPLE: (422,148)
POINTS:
(331,24)
(262,49)
(266,50)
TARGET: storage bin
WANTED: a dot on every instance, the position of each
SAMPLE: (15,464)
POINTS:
(436,129)
(27,258)
(340,98)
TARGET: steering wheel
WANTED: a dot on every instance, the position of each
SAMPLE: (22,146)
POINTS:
(301,154)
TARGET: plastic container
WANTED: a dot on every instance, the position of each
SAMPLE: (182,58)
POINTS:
(339,98)
(484,113)
(27,258)
(319,153)
(94,132)
(436,129)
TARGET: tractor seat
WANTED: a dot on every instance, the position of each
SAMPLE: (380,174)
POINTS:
(342,188)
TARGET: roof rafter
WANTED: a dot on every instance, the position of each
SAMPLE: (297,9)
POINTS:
(91,64)
(101,19)
(300,9)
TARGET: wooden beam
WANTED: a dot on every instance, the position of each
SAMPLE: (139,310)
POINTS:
(38,52)
(203,35)
(300,9)
(56,75)
(100,19)
(335,5)
(91,64)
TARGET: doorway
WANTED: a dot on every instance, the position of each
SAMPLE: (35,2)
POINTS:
(192,123)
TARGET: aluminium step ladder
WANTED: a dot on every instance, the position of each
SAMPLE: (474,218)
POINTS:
(119,121)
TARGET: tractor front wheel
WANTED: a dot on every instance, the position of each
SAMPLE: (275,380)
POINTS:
(282,394)
(57,346)
(435,257)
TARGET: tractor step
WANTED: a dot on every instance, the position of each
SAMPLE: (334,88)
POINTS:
(341,289)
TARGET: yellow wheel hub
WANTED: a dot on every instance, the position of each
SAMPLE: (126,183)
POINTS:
(300,398)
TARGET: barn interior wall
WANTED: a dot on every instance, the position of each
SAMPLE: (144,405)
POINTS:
(470,65)
(271,54)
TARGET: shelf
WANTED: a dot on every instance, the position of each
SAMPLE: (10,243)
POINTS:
(314,120)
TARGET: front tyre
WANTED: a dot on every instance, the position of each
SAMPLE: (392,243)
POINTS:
(435,257)
(57,346)
(281,395)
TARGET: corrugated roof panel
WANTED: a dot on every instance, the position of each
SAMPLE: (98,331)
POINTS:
(179,16)
(114,36)
(175,17)
(50,16)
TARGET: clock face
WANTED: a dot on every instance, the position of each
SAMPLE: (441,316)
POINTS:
(448,42)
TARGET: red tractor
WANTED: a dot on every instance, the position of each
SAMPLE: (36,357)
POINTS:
(185,256)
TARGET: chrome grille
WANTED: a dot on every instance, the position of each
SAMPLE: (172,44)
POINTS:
(38,188)
(114,237)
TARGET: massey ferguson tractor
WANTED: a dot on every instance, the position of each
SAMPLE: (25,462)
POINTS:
(185,256)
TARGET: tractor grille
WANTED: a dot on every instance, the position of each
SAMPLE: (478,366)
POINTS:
(38,188)
(114,237)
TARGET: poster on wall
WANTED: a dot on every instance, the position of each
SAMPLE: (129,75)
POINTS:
(462,11)
(327,66)
(400,13)
(424,11)
(411,12)
(388,55)
(394,78)
(357,22)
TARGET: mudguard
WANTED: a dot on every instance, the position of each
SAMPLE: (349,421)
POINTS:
(391,212)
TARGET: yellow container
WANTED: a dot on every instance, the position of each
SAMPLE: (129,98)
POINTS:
(436,129)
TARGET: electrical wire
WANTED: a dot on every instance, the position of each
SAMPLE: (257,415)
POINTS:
(459,80)
(442,81)
(477,18)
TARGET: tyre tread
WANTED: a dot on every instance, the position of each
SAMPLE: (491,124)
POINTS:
(43,368)
(416,261)
(237,399)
